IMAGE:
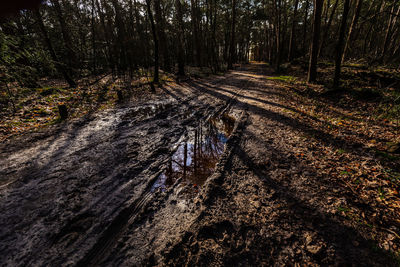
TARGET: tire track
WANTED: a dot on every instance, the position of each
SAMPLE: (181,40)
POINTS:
(133,211)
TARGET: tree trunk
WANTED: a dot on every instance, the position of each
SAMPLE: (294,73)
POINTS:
(196,31)
(93,40)
(375,28)
(53,54)
(161,35)
(327,27)
(181,51)
(121,50)
(153,29)
(312,69)
(391,22)
(109,51)
(214,39)
(277,27)
(292,39)
(352,26)
(72,61)
(339,47)
(394,39)
(307,5)
(232,49)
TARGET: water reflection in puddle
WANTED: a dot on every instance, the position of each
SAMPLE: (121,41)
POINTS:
(195,158)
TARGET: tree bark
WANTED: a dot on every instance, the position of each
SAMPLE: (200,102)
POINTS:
(307,5)
(161,35)
(109,50)
(292,41)
(277,27)
(340,43)
(312,69)
(232,49)
(196,31)
(327,27)
(181,51)
(153,29)
(72,60)
(93,39)
(121,50)
(352,26)
(391,23)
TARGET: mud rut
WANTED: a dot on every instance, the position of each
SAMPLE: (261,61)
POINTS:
(67,196)
(83,194)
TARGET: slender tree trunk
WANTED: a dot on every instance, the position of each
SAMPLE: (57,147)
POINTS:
(196,31)
(312,69)
(161,35)
(277,27)
(292,41)
(109,50)
(10,97)
(93,39)
(121,37)
(53,54)
(181,51)
(232,49)
(375,27)
(391,22)
(270,44)
(340,43)
(307,5)
(153,29)
(352,26)
(215,46)
(394,39)
(326,12)
(366,37)
(327,27)
(285,22)
(72,61)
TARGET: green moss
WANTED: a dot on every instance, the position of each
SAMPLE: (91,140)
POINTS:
(345,173)
(343,209)
(386,155)
(287,79)
(46,91)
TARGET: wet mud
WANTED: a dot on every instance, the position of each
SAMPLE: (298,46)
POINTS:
(196,157)
(201,174)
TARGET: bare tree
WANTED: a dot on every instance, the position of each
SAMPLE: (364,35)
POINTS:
(312,67)
(292,41)
(352,26)
(340,43)
(155,40)
(232,45)
(180,33)
(161,35)
(327,26)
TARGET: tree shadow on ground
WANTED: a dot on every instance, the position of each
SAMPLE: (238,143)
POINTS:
(330,228)
(324,137)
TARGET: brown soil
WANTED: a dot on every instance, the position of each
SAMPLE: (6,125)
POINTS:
(83,193)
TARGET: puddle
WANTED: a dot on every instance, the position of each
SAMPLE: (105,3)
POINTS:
(195,158)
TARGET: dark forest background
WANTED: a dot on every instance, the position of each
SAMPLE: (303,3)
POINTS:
(76,38)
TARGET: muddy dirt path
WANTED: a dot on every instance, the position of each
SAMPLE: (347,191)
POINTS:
(64,192)
(204,174)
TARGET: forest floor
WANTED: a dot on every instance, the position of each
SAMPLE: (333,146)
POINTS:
(245,168)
